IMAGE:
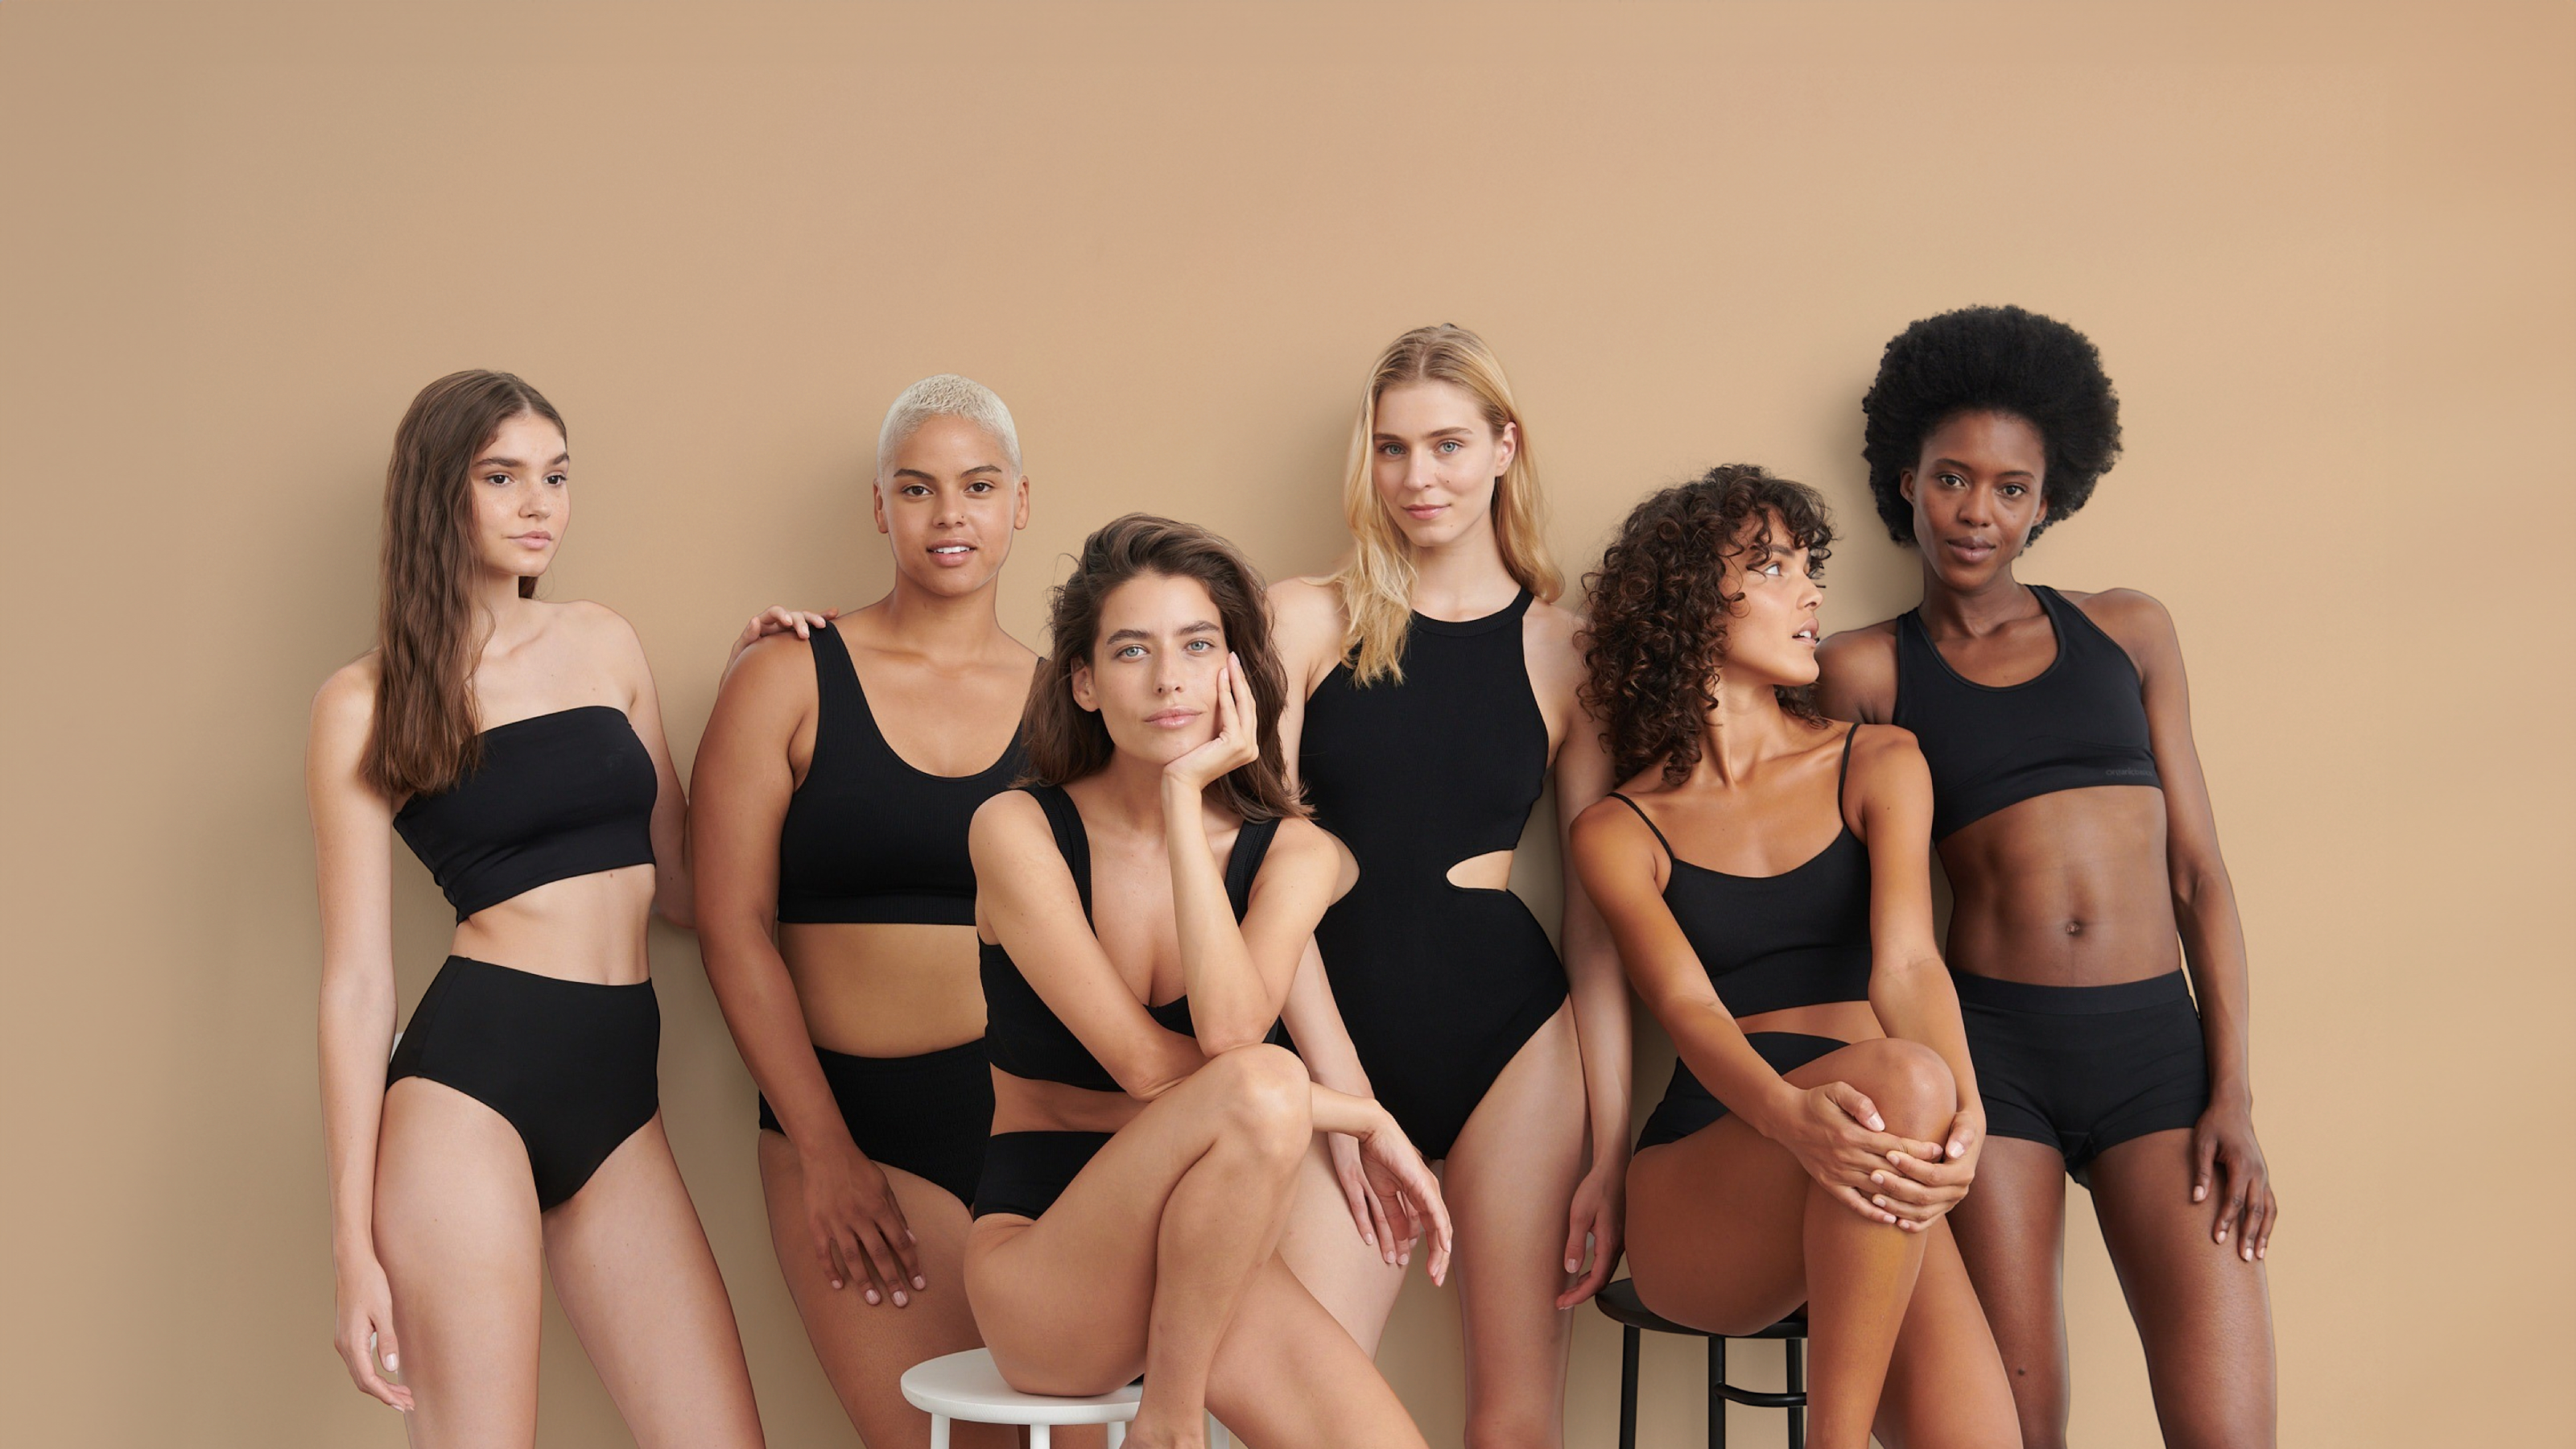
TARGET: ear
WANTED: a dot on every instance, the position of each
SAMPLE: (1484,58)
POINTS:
(1905,485)
(876,503)
(1507,446)
(1083,696)
(1020,510)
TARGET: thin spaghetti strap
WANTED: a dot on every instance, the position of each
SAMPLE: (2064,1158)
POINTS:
(1650,823)
(1846,770)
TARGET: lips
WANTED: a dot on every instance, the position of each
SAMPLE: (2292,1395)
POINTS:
(1426,511)
(1171,718)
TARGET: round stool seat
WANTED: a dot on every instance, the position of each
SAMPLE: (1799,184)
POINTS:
(1620,1304)
(967,1386)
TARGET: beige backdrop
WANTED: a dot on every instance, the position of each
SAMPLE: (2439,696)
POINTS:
(2324,249)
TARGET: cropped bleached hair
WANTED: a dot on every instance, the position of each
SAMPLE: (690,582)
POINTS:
(947,396)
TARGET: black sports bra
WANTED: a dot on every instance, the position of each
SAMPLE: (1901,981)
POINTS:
(1771,942)
(2080,722)
(555,796)
(1026,1039)
(867,837)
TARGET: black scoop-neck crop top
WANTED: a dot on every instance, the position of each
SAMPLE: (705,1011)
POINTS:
(2080,722)
(868,837)
(1026,1039)
(554,796)
(1771,942)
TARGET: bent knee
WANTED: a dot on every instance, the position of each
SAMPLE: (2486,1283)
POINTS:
(1265,1096)
(1913,1088)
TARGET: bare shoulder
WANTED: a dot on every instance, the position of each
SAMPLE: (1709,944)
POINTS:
(596,625)
(1866,651)
(775,666)
(1005,819)
(2137,621)
(344,708)
(1880,747)
(1553,625)
(1306,614)
(1301,840)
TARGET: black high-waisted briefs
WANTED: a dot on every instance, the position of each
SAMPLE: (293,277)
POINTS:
(2085,1068)
(570,1064)
(1688,1106)
(1025,1172)
(929,1115)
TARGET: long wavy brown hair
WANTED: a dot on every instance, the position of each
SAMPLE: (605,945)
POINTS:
(1659,608)
(425,737)
(1066,742)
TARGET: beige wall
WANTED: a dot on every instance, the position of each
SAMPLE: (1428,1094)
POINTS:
(2324,249)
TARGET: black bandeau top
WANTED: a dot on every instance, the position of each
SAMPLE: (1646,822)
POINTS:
(2080,722)
(1026,1039)
(867,837)
(1771,942)
(555,796)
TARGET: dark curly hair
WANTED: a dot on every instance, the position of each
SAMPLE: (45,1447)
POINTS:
(1991,359)
(1659,608)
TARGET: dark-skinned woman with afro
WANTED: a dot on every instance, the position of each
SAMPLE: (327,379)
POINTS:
(2074,825)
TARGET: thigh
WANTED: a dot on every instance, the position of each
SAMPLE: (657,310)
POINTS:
(1945,1384)
(1717,1229)
(864,1349)
(1323,1247)
(1286,1375)
(2011,1232)
(634,1274)
(2204,1314)
(458,1233)
(1509,1182)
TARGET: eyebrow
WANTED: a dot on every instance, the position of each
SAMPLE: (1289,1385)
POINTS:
(1461,432)
(1203,626)
(500,462)
(994,468)
(2006,473)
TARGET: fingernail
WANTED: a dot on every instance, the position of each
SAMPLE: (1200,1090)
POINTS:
(1571,1265)
(1879,1177)
(1877,1125)
(920,1282)
(871,1295)
(1896,1157)
(1957,1150)
(1878,1202)
(394,1361)
(901,1299)
(2222,1235)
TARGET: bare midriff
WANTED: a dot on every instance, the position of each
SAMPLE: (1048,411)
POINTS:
(885,988)
(2064,889)
(587,928)
(1022,1105)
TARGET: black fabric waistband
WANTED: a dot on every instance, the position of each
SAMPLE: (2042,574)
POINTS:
(2000,995)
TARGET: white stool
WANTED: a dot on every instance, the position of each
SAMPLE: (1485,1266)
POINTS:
(966,1386)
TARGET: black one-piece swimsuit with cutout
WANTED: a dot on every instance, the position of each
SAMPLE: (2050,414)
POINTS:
(1440,985)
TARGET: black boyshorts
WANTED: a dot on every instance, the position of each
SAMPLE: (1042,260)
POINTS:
(1025,1172)
(929,1115)
(2085,1068)
(1688,1106)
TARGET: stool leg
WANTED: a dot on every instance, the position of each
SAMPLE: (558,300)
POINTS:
(939,1431)
(1716,1392)
(1040,1436)
(1797,1385)
(1218,1438)
(1628,1387)
(1117,1435)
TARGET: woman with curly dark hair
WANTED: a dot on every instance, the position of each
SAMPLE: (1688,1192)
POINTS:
(1823,1119)
(2075,828)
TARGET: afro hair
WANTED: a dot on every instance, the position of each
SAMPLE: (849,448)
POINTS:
(1991,359)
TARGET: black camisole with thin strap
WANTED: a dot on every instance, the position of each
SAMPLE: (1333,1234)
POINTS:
(867,836)
(2080,722)
(1768,943)
(1022,1034)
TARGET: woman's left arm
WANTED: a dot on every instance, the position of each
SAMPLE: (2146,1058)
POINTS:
(1909,984)
(2213,936)
(1597,987)
(672,900)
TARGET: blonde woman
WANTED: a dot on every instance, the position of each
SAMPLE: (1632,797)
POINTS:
(1433,690)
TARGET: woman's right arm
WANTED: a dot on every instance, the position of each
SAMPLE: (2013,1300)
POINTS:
(353,867)
(742,782)
(1833,1130)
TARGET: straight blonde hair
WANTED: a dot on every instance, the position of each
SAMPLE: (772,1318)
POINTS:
(1376,584)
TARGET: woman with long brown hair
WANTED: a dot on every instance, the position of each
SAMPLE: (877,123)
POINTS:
(1143,903)
(1823,1118)
(1433,691)
(836,904)
(517,747)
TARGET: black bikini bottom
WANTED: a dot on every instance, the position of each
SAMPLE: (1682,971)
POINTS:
(570,1064)
(1025,1172)
(2085,1068)
(929,1115)
(1688,1106)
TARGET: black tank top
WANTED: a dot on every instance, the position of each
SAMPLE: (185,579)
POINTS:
(1771,942)
(2080,722)
(555,796)
(1026,1039)
(867,837)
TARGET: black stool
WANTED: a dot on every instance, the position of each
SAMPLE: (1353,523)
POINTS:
(1620,1304)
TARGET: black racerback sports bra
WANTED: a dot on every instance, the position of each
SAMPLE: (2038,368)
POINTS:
(868,837)
(2080,722)
(1771,942)
(555,796)
(1026,1039)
